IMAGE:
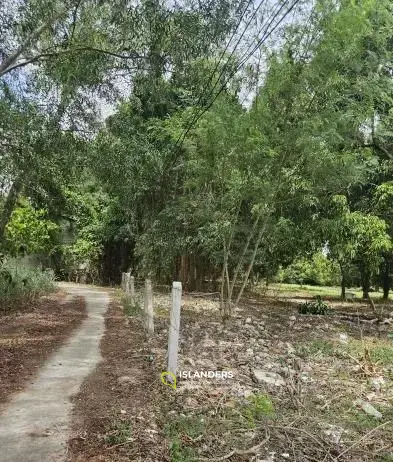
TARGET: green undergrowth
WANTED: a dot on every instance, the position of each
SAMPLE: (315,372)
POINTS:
(21,284)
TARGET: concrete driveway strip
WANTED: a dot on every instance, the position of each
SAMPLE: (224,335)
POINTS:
(34,425)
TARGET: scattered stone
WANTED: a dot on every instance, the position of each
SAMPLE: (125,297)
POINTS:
(377,383)
(369,409)
(292,318)
(248,321)
(335,433)
(343,338)
(125,379)
(290,348)
(268,377)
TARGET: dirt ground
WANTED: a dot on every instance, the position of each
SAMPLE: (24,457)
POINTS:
(304,387)
(114,410)
(28,336)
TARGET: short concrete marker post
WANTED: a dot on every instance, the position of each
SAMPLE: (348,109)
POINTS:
(132,288)
(174,328)
(149,312)
(127,283)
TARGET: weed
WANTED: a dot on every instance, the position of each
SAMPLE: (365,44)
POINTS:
(178,427)
(119,433)
(179,453)
(382,354)
(258,407)
(132,307)
(315,347)
(192,426)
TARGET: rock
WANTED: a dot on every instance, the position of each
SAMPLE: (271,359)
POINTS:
(377,383)
(292,318)
(290,349)
(125,379)
(268,377)
(247,393)
(335,433)
(248,321)
(189,361)
(369,409)
(343,338)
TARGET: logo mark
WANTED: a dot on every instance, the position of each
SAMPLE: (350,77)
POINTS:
(168,378)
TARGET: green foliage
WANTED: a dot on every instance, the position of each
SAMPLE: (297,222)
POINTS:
(180,453)
(259,407)
(131,307)
(119,433)
(22,283)
(192,426)
(316,347)
(318,270)
(317,307)
(30,231)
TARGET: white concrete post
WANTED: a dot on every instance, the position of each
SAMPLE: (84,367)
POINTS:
(132,287)
(149,313)
(127,283)
(122,281)
(174,328)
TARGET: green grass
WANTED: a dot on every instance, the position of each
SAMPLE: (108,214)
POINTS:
(315,347)
(191,426)
(131,307)
(381,350)
(312,291)
(258,407)
(119,433)
(20,283)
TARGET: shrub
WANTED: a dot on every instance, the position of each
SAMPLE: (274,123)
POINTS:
(23,283)
(317,306)
(318,270)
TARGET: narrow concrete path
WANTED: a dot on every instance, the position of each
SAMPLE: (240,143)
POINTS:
(34,426)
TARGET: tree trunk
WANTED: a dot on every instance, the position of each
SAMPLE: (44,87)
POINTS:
(365,278)
(342,288)
(9,206)
(385,278)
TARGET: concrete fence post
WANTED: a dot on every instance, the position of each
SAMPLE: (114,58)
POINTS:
(122,281)
(174,328)
(131,289)
(127,283)
(149,312)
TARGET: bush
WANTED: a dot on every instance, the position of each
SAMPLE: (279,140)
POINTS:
(23,282)
(318,270)
(317,306)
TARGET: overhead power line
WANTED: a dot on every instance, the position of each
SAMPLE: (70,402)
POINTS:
(243,60)
(223,69)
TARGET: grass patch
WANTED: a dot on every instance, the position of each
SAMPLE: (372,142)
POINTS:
(316,347)
(191,426)
(119,433)
(258,407)
(180,453)
(178,428)
(132,307)
(381,351)
(20,283)
(311,291)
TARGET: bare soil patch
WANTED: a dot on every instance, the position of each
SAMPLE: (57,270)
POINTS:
(28,336)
